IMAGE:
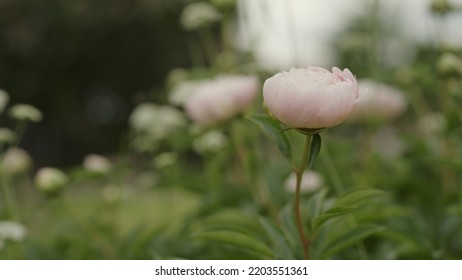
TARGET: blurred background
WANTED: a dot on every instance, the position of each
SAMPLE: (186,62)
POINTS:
(140,173)
(86,64)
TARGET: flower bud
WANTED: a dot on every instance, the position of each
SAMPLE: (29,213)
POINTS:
(378,102)
(311,98)
(25,112)
(50,180)
(16,161)
(97,164)
(218,100)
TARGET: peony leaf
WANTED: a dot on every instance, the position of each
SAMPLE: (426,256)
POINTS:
(350,238)
(330,214)
(240,240)
(356,196)
(314,149)
(276,133)
(288,224)
(316,203)
(281,247)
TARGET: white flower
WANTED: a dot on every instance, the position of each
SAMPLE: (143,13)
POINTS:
(16,161)
(4,98)
(197,15)
(311,182)
(96,163)
(182,91)
(50,180)
(25,112)
(220,99)
(378,102)
(211,142)
(156,120)
(10,230)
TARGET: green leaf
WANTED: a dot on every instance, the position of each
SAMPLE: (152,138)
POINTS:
(350,238)
(241,241)
(288,224)
(316,203)
(281,247)
(314,149)
(357,196)
(330,214)
(275,132)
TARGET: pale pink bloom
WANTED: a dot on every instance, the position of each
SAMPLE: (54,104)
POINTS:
(220,99)
(378,102)
(311,97)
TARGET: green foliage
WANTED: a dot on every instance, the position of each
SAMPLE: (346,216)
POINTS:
(275,131)
(389,189)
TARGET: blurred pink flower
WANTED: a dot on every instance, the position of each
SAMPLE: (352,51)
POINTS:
(218,100)
(311,97)
(378,102)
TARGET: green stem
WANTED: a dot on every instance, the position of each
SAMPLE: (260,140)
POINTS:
(298,216)
(19,130)
(209,45)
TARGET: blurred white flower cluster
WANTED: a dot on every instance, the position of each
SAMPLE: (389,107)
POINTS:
(25,112)
(50,180)
(152,123)
(197,15)
(211,142)
(16,161)
(10,230)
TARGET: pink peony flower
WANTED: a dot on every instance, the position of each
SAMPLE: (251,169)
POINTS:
(220,99)
(311,98)
(378,102)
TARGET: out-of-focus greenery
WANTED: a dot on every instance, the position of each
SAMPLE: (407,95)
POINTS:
(389,188)
(85,64)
